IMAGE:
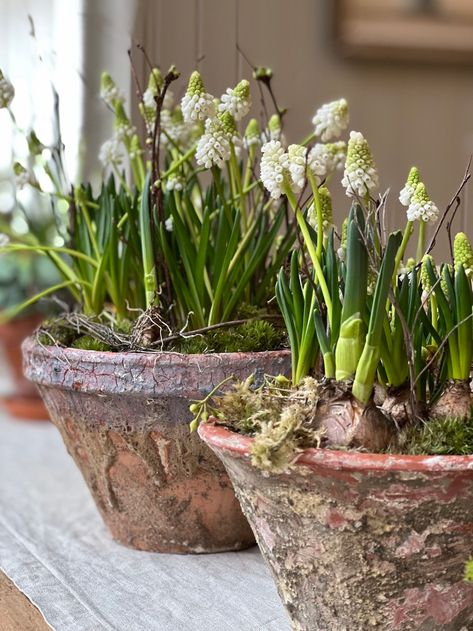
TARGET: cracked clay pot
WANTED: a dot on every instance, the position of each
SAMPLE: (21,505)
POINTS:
(124,419)
(360,541)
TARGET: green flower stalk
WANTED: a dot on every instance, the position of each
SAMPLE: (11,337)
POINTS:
(352,328)
(422,209)
(369,360)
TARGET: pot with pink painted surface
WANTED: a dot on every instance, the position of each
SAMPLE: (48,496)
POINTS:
(360,541)
(124,418)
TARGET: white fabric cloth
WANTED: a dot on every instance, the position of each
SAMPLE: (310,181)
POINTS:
(55,548)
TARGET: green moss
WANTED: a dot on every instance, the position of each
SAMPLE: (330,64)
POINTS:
(469,571)
(438,437)
(254,336)
(89,343)
(55,332)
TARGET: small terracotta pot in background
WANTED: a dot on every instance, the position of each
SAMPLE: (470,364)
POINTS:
(360,541)
(124,418)
(24,401)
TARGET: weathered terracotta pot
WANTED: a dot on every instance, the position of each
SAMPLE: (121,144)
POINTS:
(360,541)
(24,401)
(124,418)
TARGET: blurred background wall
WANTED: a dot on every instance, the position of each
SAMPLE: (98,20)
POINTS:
(412,112)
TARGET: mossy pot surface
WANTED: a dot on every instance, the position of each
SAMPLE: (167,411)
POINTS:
(359,541)
(124,419)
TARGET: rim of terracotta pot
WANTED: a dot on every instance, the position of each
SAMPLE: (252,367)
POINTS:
(239,445)
(86,370)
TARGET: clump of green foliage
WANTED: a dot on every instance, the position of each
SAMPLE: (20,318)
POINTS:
(443,437)
(55,331)
(253,336)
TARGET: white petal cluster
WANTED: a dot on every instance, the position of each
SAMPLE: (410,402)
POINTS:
(213,148)
(360,175)
(109,91)
(173,127)
(236,101)
(175,182)
(297,160)
(110,153)
(169,224)
(197,104)
(410,186)
(274,166)
(325,158)
(7,92)
(421,207)
(331,119)
(149,99)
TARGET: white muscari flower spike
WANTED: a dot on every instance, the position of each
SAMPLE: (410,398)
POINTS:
(109,91)
(274,167)
(110,153)
(421,207)
(274,127)
(323,159)
(326,206)
(236,101)
(252,134)
(297,160)
(175,182)
(213,148)
(174,128)
(169,224)
(7,92)
(331,119)
(410,186)
(360,176)
(197,104)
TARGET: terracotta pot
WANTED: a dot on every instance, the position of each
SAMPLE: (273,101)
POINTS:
(360,541)
(24,401)
(124,418)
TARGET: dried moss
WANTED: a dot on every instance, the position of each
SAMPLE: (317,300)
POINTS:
(450,436)
(253,336)
(280,419)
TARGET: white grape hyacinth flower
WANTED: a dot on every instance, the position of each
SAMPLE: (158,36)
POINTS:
(410,186)
(236,101)
(175,182)
(169,224)
(197,104)
(274,167)
(213,148)
(325,158)
(297,160)
(360,176)
(421,207)
(331,119)
(110,153)
(109,91)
